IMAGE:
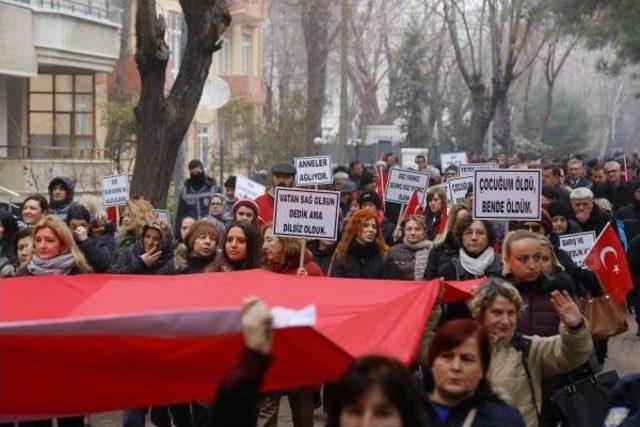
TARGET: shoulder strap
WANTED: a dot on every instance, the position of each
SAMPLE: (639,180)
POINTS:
(523,345)
(470,418)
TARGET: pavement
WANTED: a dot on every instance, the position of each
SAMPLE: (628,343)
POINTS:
(624,357)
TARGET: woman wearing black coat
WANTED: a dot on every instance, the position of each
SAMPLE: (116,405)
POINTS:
(8,229)
(151,254)
(97,250)
(446,245)
(362,251)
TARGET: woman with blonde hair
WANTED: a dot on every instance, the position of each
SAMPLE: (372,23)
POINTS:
(54,250)
(135,214)
(407,260)
(362,251)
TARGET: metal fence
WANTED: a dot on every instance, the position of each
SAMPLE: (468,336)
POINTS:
(110,10)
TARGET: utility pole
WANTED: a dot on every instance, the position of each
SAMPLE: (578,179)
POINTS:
(344,40)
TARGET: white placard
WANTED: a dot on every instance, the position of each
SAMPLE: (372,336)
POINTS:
(508,194)
(309,214)
(115,190)
(402,182)
(248,189)
(457,188)
(163,215)
(468,168)
(448,159)
(578,245)
(313,170)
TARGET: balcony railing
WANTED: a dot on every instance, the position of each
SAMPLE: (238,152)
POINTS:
(41,152)
(109,10)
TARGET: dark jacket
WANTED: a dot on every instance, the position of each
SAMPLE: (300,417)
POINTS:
(597,221)
(185,263)
(629,216)
(61,208)
(194,200)
(401,260)
(129,261)
(618,196)
(625,398)
(322,257)
(433,224)
(362,262)
(387,228)
(98,251)
(237,395)
(451,269)
(491,412)
(441,256)
(539,317)
(582,182)
(10,227)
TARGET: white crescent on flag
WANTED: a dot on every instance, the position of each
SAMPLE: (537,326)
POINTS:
(604,253)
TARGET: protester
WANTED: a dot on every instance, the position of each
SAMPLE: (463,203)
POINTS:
(576,175)
(375,391)
(241,249)
(135,214)
(598,177)
(216,212)
(346,191)
(461,394)
(152,253)
(246,210)
(282,255)
(520,362)
(451,172)
(322,251)
(230,196)
(61,192)
(446,246)
(96,250)
(22,248)
(34,208)
(361,252)
(282,175)
(357,173)
(339,180)
(100,224)
(437,203)
(8,229)
(552,177)
(628,217)
(195,194)
(588,215)
(476,257)
(562,219)
(370,201)
(185,224)
(201,241)
(421,161)
(407,260)
(615,190)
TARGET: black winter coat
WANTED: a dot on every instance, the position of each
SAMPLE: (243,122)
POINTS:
(322,257)
(539,317)
(440,256)
(491,412)
(619,196)
(597,221)
(362,262)
(194,200)
(629,216)
(130,261)
(98,251)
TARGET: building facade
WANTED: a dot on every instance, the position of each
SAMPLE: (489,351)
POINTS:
(54,61)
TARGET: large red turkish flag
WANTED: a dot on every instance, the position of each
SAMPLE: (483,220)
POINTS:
(608,261)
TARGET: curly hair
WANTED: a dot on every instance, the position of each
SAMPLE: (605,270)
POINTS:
(466,222)
(491,289)
(354,227)
(142,212)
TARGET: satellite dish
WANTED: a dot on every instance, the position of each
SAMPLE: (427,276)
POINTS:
(216,93)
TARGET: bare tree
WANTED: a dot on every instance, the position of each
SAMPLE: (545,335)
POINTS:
(509,25)
(162,121)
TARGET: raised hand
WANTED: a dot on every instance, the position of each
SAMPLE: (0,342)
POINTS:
(256,325)
(566,308)
(151,257)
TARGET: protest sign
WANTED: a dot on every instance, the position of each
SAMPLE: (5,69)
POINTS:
(309,214)
(401,183)
(507,194)
(314,170)
(468,168)
(248,189)
(457,188)
(163,215)
(452,159)
(577,245)
(115,190)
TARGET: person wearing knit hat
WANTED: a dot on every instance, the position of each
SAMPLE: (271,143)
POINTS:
(246,210)
(370,200)
(561,219)
(542,227)
(201,244)
(230,197)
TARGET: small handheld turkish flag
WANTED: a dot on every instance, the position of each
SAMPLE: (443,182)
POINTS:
(608,261)
(412,206)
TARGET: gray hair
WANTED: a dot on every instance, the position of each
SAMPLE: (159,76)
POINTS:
(340,175)
(581,193)
(575,162)
(611,164)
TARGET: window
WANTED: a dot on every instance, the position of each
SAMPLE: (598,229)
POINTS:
(247,54)
(176,39)
(204,142)
(223,57)
(61,115)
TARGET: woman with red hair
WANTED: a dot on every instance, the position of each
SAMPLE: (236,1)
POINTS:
(362,251)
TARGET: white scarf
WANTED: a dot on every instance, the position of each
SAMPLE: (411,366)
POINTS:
(477,266)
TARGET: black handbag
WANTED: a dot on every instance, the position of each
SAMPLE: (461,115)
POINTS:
(585,402)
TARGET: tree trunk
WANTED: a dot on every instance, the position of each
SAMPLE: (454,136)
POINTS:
(316,15)
(161,122)
(546,114)
(481,116)
(502,125)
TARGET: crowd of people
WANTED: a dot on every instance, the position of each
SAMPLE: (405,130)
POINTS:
(494,360)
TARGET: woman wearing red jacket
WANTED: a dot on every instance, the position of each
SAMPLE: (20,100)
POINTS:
(282,255)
